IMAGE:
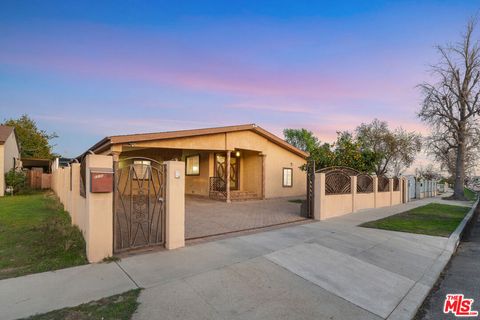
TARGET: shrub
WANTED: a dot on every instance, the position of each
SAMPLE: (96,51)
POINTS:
(15,179)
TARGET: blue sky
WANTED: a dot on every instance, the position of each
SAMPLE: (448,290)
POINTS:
(88,69)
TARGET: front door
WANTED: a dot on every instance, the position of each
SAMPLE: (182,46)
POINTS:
(220,165)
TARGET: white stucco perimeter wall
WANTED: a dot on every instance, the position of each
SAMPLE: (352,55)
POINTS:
(8,153)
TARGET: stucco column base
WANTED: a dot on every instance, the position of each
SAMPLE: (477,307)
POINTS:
(75,194)
(99,213)
(353,187)
(175,205)
(390,189)
(375,191)
(319,196)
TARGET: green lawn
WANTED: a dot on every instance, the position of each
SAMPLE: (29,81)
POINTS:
(118,307)
(471,196)
(432,219)
(36,236)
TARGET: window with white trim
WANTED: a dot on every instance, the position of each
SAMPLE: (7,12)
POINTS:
(192,165)
(287,180)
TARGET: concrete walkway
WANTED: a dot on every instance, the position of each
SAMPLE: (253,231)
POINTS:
(321,270)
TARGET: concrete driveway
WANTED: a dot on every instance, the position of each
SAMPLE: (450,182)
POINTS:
(321,270)
(205,217)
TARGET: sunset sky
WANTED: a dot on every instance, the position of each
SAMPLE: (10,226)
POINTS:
(90,69)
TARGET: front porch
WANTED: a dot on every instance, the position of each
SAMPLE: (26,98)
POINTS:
(206,171)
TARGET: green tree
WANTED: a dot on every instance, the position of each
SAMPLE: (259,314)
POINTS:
(395,149)
(346,151)
(303,139)
(349,152)
(323,156)
(34,142)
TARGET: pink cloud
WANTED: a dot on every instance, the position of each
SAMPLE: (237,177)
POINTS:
(102,52)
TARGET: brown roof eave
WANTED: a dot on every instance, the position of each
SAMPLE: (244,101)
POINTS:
(142,137)
(273,138)
(107,142)
(100,146)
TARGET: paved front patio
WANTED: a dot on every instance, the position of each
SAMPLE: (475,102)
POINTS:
(205,217)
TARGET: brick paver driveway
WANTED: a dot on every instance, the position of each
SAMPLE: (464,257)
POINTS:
(205,217)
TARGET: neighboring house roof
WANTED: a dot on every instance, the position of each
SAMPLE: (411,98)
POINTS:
(35,162)
(63,162)
(105,143)
(5,132)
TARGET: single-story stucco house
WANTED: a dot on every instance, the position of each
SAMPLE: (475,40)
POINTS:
(9,154)
(259,164)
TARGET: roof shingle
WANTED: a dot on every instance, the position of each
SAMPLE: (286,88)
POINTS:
(5,132)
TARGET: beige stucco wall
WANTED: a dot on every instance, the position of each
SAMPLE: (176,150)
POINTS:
(93,214)
(337,205)
(383,199)
(364,201)
(175,205)
(99,214)
(198,185)
(251,172)
(396,197)
(8,151)
(206,142)
(333,205)
(276,158)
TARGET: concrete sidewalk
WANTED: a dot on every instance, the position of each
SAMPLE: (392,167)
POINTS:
(321,270)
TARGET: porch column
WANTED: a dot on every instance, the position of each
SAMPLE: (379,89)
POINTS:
(227,174)
(263,175)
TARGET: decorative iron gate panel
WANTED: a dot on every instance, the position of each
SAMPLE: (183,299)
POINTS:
(139,204)
(310,188)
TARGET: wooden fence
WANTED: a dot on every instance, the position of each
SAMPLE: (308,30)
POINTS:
(36,179)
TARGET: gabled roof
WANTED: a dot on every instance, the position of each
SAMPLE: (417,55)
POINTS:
(141,137)
(5,132)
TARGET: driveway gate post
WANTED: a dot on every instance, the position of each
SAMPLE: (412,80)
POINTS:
(175,205)
(99,211)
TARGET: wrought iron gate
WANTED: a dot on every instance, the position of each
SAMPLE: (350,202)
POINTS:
(139,204)
(310,188)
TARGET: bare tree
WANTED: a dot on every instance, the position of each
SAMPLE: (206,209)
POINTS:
(396,149)
(439,144)
(450,104)
(427,173)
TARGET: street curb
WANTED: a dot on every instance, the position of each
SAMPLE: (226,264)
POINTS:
(454,239)
(408,307)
